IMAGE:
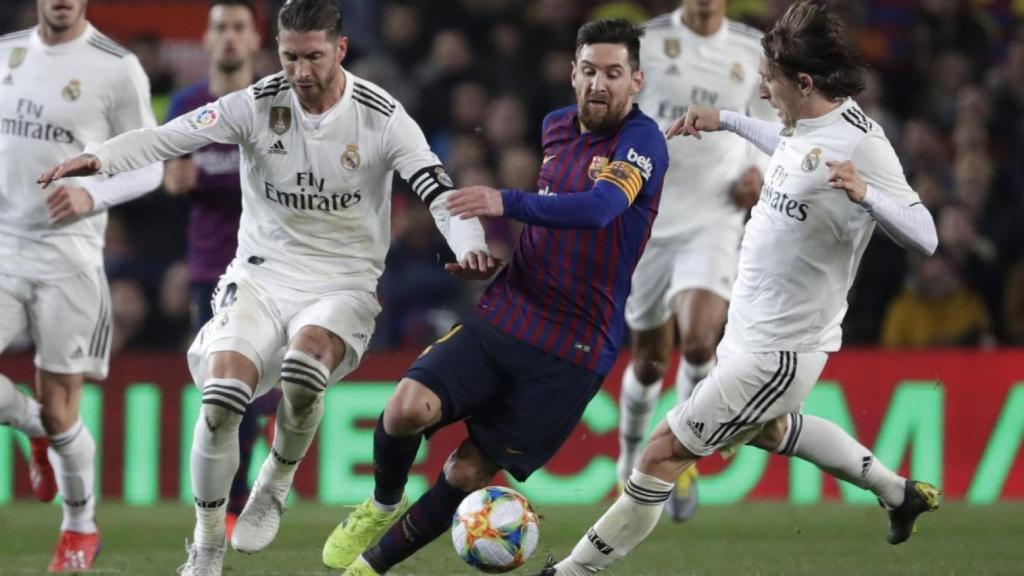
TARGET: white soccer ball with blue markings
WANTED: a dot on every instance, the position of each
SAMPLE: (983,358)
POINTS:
(495,529)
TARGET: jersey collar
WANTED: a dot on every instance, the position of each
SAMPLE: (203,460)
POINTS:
(36,41)
(333,112)
(721,34)
(828,118)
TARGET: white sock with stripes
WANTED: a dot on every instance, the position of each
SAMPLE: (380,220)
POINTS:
(829,447)
(19,411)
(636,404)
(303,381)
(624,526)
(72,454)
(689,375)
(215,454)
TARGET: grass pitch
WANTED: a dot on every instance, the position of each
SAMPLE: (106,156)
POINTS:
(749,539)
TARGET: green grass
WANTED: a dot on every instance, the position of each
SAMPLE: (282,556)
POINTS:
(748,540)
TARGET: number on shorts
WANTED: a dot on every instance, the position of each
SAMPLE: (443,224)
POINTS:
(229,297)
(442,339)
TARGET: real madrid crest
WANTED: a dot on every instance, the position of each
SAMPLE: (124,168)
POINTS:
(350,158)
(280,119)
(736,73)
(443,177)
(17,57)
(72,91)
(811,161)
(597,165)
(673,48)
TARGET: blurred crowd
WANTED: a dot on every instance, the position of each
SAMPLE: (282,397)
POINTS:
(945,80)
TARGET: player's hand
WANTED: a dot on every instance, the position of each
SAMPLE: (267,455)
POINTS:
(747,188)
(697,119)
(844,176)
(476,265)
(181,176)
(475,201)
(81,165)
(67,202)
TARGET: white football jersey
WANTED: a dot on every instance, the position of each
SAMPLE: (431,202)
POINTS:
(316,190)
(682,68)
(53,101)
(805,239)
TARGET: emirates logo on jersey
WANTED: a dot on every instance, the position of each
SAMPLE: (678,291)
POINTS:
(73,91)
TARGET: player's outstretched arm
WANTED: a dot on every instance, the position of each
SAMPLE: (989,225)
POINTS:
(696,120)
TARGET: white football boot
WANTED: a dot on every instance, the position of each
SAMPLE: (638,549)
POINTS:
(203,560)
(258,523)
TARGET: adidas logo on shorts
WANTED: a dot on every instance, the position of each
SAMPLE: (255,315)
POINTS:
(697,428)
(78,353)
(277,148)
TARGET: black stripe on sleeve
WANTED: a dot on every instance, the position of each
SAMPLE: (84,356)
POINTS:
(430,182)
(853,122)
(370,94)
(370,104)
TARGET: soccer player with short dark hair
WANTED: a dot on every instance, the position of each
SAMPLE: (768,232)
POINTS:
(522,369)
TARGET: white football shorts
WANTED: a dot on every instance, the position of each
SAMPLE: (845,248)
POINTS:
(68,318)
(744,391)
(706,259)
(257,318)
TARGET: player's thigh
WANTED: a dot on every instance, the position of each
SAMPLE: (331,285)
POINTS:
(245,322)
(350,316)
(700,314)
(707,261)
(647,307)
(14,294)
(542,402)
(742,392)
(71,324)
(460,370)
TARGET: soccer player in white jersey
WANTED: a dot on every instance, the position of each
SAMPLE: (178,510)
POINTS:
(318,150)
(693,56)
(832,177)
(63,84)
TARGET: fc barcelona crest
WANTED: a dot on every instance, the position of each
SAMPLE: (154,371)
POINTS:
(673,48)
(72,91)
(350,159)
(811,161)
(280,119)
(17,57)
(597,165)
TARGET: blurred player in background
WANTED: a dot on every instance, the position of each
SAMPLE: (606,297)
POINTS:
(319,147)
(63,84)
(833,175)
(522,369)
(211,180)
(692,56)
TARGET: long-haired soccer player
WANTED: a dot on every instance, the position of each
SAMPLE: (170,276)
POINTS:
(833,176)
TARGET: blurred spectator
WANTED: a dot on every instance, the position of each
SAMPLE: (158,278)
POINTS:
(161,80)
(129,307)
(936,309)
(506,123)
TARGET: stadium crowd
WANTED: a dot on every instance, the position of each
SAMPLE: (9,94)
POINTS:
(946,80)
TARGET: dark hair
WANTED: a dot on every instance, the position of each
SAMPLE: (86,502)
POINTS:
(310,16)
(809,39)
(243,3)
(616,31)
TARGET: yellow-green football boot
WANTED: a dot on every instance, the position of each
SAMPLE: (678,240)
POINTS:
(356,533)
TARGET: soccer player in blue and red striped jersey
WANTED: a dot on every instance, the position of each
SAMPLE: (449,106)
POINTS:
(522,369)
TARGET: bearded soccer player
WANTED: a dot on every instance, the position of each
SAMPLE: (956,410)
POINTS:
(63,84)
(522,369)
(832,177)
(318,147)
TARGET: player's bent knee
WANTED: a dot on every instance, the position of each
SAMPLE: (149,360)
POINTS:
(664,450)
(649,369)
(411,409)
(234,365)
(319,344)
(469,469)
(772,433)
(698,347)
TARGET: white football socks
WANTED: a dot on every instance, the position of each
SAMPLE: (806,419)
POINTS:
(304,382)
(215,454)
(833,450)
(19,411)
(72,454)
(624,526)
(636,405)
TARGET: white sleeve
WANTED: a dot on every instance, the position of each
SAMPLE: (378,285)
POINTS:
(760,133)
(411,156)
(890,200)
(229,120)
(759,109)
(130,110)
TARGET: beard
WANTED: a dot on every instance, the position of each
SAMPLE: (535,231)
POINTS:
(606,120)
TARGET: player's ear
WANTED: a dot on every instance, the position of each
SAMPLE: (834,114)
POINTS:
(638,82)
(805,82)
(342,49)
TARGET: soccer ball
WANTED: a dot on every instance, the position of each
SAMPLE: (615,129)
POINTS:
(495,529)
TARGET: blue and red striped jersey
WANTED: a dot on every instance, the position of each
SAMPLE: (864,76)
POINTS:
(565,289)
